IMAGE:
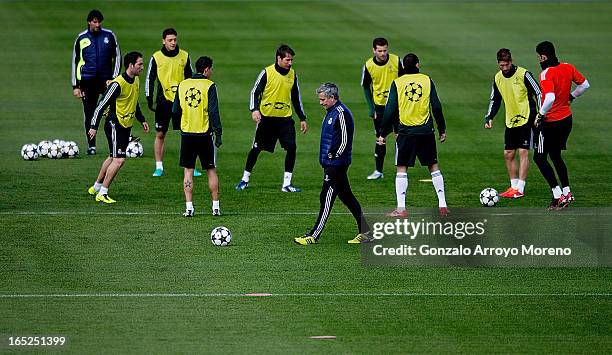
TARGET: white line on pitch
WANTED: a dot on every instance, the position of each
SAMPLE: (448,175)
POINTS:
(204,295)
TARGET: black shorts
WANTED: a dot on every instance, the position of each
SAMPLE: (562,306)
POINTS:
(194,146)
(118,138)
(271,129)
(380,112)
(518,137)
(163,114)
(553,136)
(408,148)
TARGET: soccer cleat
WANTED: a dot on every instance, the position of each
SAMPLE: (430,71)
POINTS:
(104,199)
(189,213)
(376,175)
(197,173)
(91,151)
(92,191)
(291,188)
(564,201)
(444,211)
(398,213)
(216,212)
(361,238)
(509,193)
(517,194)
(158,172)
(554,204)
(242,185)
(305,240)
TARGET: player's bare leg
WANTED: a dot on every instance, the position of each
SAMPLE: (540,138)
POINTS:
(213,186)
(158,149)
(188,190)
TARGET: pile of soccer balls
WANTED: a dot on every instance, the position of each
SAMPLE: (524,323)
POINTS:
(55,149)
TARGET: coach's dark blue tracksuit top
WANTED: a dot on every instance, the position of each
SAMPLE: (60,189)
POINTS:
(336,137)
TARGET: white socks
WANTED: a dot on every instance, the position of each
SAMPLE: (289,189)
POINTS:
(520,186)
(287,179)
(514,183)
(566,190)
(438,182)
(189,206)
(556,191)
(159,165)
(245,176)
(401,185)
(103,190)
(215,205)
(97,186)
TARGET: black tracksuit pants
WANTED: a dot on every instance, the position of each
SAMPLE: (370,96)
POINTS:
(336,183)
(91,89)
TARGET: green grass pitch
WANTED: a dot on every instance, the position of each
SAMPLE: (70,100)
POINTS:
(138,277)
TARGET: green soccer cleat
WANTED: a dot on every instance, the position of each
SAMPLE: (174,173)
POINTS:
(92,191)
(104,199)
(360,239)
(305,240)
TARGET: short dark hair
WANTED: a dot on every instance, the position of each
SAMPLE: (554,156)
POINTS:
(504,55)
(379,41)
(203,63)
(95,14)
(131,58)
(410,60)
(546,48)
(283,50)
(169,31)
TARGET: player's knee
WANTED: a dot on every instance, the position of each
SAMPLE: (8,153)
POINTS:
(118,161)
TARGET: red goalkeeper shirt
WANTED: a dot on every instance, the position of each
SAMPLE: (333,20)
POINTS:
(558,80)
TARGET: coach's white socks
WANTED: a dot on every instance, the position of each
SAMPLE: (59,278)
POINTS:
(520,186)
(287,179)
(401,185)
(245,176)
(438,182)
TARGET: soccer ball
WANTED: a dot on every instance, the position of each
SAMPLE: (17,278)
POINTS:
(55,151)
(70,149)
(489,197)
(134,150)
(43,148)
(29,152)
(59,142)
(221,236)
